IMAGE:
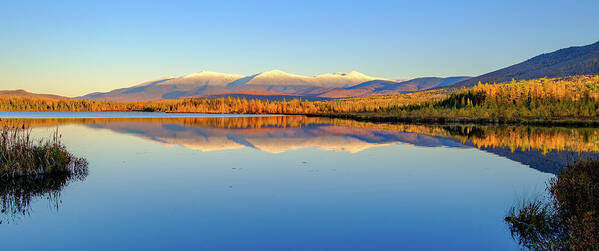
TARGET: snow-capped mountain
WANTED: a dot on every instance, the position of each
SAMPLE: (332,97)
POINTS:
(274,83)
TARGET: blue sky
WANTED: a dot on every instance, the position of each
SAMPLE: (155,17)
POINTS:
(76,47)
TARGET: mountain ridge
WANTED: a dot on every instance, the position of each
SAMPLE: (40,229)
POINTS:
(281,84)
(574,60)
(23,93)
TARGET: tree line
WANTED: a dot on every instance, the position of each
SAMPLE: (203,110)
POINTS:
(569,97)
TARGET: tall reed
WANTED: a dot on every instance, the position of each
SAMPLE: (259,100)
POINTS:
(21,155)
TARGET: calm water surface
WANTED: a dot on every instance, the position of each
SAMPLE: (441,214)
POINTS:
(286,182)
(120,115)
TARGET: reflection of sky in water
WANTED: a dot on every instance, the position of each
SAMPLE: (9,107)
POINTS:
(141,194)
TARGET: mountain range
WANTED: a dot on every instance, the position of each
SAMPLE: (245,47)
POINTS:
(278,85)
(273,84)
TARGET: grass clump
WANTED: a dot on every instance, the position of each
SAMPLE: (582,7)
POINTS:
(32,169)
(21,155)
(570,221)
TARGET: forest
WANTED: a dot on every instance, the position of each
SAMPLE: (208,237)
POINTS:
(575,97)
(572,97)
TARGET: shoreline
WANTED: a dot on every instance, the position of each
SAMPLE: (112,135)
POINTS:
(569,122)
(378,118)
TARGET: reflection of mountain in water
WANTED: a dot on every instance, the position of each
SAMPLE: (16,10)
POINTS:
(544,148)
(273,139)
(550,162)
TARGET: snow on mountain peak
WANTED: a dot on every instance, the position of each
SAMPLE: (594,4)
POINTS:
(211,74)
(350,74)
(278,73)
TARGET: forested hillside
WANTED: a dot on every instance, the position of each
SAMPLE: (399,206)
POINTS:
(580,60)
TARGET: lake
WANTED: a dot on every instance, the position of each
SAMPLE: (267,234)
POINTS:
(194,181)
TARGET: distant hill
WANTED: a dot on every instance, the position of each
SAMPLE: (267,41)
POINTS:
(274,85)
(418,84)
(383,87)
(411,85)
(23,93)
(577,60)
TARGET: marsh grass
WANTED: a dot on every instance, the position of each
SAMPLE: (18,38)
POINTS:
(32,169)
(570,220)
(21,155)
(533,224)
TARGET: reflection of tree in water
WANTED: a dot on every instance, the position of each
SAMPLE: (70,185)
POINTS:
(525,138)
(17,194)
(570,220)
